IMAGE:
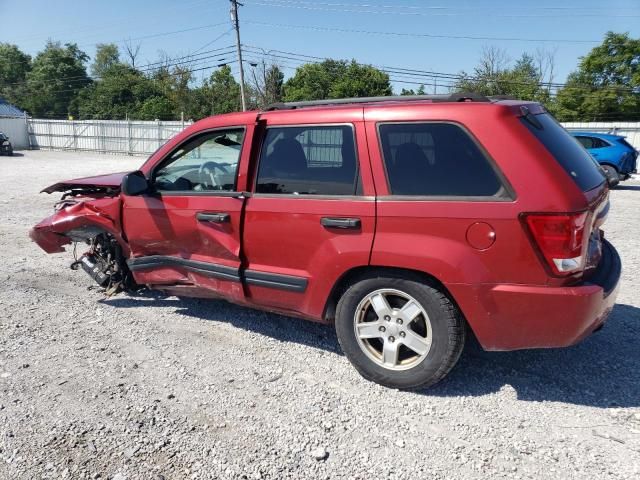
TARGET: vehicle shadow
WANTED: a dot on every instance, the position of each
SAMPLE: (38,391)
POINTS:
(276,326)
(602,371)
(17,154)
(627,187)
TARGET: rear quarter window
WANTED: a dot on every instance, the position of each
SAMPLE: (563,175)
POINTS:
(569,153)
(435,159)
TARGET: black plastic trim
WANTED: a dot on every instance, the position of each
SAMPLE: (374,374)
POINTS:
(205,268)
(222,217)
(344,223)
(607,274)
(454,97)
(276,280)
(251,277)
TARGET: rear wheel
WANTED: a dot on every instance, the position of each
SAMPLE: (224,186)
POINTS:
(612,175)
(398,332)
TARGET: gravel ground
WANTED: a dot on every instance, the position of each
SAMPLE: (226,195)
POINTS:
(146,387)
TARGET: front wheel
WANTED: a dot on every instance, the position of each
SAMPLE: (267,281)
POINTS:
(399,333)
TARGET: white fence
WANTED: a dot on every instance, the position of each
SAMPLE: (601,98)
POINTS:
(16,129)
(106,136)
(143,138)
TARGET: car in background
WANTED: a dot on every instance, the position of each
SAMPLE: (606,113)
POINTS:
(616,156)
(5,145)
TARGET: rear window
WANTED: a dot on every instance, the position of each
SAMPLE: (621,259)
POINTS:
(573,158)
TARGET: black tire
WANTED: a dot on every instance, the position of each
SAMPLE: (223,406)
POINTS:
(612,175)
(448,330)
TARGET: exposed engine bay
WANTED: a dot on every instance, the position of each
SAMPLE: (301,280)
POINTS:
(106,264)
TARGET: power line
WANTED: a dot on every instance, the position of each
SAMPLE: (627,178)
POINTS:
(401,71)
(432,7)
(154,35)
(118,23)
(212,41)
(376,10)
(222,51)
(419,35)
(191,70)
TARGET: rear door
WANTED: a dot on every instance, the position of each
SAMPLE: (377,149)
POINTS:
(311,215)
(186,232)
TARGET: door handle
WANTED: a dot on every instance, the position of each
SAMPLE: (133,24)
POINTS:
(346,223)
(213,217)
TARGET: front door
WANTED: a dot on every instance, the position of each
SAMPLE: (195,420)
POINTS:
(311,215)
(186,232)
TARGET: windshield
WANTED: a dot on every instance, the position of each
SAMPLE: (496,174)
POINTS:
(569,153)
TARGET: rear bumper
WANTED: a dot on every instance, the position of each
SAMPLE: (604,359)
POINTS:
(512,317)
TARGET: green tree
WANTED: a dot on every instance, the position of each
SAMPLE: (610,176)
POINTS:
(336,79)
(57,76)
(107,55)
(157,107)
(527,79)
(606,85)
(174,84)
(421,91)
(14,66)
(266,84)
(121,92)
(220,93)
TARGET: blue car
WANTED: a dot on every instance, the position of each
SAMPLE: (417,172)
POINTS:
(616,156)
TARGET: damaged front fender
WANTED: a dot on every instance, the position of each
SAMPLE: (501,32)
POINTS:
(79,219)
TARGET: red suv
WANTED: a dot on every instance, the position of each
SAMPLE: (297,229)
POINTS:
(404,221)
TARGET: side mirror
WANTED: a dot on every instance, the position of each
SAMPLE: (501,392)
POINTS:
(134,183)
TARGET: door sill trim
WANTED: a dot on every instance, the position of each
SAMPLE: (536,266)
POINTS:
(275,280)
(204,268)
(250,277)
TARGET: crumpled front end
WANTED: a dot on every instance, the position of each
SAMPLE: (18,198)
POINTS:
(90,217)
(78,220)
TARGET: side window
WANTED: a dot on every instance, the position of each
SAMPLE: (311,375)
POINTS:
(435,159)
(599,143)
(314,160)
(208,162)
(587,142)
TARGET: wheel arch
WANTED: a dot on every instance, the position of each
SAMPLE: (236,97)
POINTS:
(356,274)
(610,164)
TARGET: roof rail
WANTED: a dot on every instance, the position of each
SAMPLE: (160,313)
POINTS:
(454,97)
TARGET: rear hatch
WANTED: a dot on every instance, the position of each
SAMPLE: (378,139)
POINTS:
(570,243)
(631,157)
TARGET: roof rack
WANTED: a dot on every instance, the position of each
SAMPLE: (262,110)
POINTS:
(454,97)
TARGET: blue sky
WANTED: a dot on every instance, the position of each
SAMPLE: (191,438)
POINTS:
(406,31)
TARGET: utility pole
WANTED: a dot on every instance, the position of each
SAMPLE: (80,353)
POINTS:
(236,25)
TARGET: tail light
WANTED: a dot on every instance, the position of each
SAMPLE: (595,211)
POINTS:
(560,239)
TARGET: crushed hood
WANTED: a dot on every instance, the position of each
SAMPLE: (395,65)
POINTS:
(109,181)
